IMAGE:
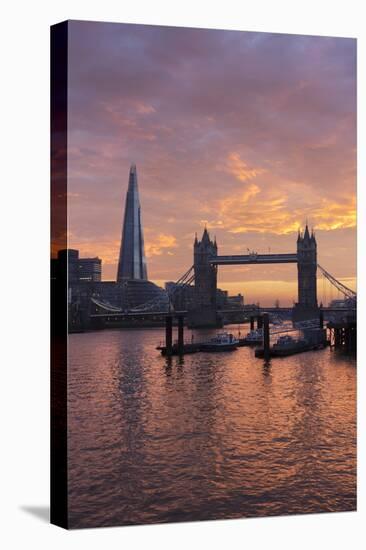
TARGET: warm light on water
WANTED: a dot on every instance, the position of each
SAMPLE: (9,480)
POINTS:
(207,436)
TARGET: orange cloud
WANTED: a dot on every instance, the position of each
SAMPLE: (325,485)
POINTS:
(240,169)
(107,250)
(336,215)
(277,208)
(157,246)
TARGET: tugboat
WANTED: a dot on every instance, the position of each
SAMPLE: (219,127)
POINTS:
(221,342)
(253,338)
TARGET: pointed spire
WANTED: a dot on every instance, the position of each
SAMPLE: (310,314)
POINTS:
(205,236)
(306,234)
(132,259)
(195,239)
(298,235)
(132,180)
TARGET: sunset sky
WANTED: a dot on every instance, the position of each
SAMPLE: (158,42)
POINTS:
(249,133)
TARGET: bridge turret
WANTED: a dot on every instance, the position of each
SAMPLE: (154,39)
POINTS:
(306,237)
(205,246)
(206,238)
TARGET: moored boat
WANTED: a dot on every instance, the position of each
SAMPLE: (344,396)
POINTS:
(221,342)
(286,344)
(253,338)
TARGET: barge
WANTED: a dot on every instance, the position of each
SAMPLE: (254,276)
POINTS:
(221,342)
(286,345)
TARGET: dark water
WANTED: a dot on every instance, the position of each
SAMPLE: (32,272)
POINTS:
(210,436)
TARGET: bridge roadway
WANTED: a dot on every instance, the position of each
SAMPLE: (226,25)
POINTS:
(245,259)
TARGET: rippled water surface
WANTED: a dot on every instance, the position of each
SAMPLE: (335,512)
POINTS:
(208,436)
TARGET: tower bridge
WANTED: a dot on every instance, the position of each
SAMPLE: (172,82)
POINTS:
(201,279)
(207,260)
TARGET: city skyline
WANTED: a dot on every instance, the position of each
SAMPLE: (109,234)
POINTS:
(249,134)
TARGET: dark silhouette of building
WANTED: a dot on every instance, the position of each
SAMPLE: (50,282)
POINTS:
(204,313)
(90,269)
(184,297)
(78,269)
(307,305)
(236,301)
(132,261)
(205,274)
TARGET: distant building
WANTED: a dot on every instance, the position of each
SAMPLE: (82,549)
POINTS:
(338,303)
(67,261)
(251,307)
(79,269)
(90,269)
(235,301)
(221,298)
(184,297)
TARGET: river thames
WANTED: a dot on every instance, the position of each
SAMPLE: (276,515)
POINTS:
(207,436)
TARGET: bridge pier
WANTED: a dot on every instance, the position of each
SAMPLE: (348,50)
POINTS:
(206,317)
(169,347)
(304,313)
(266,338)
(180,335)
(343,334)
(251,322)
(169,334)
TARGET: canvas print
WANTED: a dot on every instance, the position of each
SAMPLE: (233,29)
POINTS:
(203,274)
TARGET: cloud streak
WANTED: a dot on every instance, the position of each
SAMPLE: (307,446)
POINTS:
(162,243)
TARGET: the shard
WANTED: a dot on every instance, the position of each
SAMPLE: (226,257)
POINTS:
(132,261)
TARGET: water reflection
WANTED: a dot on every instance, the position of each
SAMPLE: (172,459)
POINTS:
(154,439)
(267,368)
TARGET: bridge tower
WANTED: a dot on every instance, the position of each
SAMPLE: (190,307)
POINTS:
(205,276)
(307,306)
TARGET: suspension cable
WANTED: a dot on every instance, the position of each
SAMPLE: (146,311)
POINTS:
(348,292)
